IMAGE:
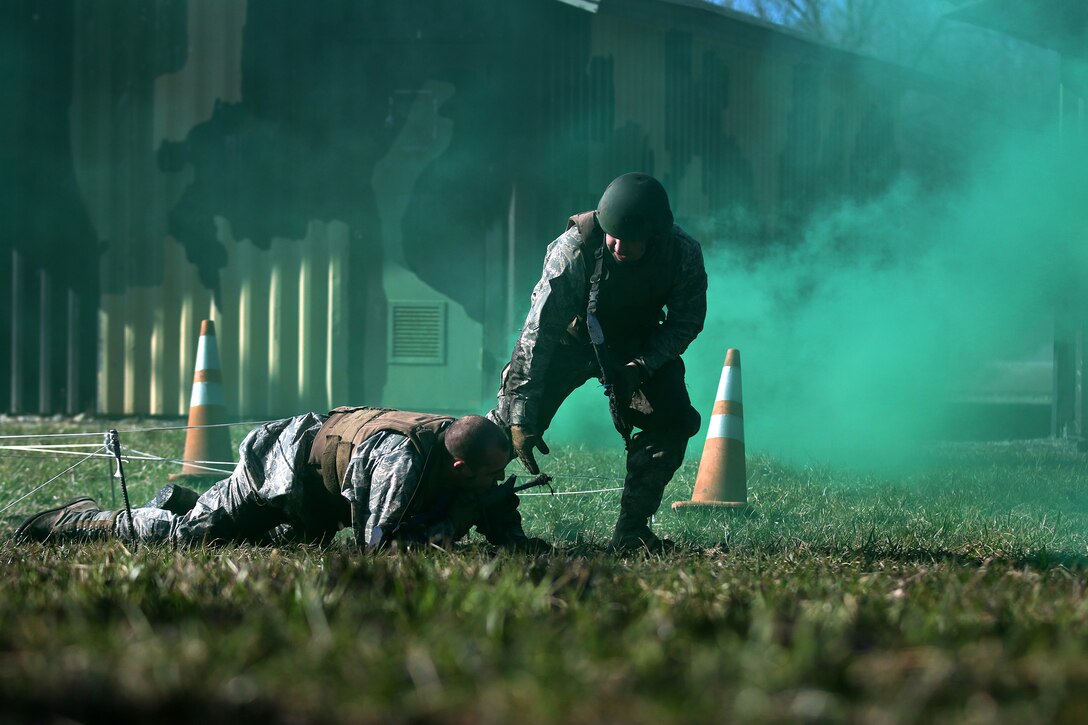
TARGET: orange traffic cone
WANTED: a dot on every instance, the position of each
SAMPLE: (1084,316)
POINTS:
(722,479)
(206,446)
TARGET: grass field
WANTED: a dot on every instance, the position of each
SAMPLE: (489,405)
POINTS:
(951,595)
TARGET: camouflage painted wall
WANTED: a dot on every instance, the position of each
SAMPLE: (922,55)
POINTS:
(222,152)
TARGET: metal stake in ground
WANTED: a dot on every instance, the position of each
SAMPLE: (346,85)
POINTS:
(115,444)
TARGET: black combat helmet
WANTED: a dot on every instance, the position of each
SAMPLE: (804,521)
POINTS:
(634,207)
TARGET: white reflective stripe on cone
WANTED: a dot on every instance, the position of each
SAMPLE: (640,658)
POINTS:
(726,426)
(207,394)
(207,353)
(729,385)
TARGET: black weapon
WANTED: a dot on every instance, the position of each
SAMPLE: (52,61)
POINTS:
(541,480)
(495,494)
(498,494)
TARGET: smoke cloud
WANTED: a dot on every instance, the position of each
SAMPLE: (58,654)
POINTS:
(856,337)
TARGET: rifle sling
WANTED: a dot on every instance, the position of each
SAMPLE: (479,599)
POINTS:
(596,334)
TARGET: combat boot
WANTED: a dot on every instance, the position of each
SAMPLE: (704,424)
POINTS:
(78,520)
(634,534)
(651,461)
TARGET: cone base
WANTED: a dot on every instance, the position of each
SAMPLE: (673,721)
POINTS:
(704,505)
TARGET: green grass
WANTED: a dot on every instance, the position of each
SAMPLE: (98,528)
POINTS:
(954,594)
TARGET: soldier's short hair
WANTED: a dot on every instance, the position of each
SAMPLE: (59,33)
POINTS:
(472,437)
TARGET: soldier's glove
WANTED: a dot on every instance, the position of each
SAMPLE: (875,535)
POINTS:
(525,441)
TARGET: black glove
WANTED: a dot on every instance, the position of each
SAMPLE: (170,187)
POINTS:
(525,441)
(500,522)
(499,518)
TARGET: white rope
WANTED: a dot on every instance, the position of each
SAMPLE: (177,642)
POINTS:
(125,458)
(572,477)
(55,451)
(192,463)
(573,493)
(196,464)
(253,423)
(135,430)
(54,478)
(58,450)
(153,457)
(51,446)
(142,453)
(53,435)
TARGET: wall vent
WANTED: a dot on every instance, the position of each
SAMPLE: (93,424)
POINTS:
(417,333)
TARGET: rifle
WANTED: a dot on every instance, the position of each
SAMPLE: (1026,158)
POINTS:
(496,494)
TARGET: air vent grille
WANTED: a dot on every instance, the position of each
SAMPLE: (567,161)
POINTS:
(417,333)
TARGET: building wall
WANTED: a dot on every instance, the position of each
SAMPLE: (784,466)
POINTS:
(308,175)
(748,129)
(169,162)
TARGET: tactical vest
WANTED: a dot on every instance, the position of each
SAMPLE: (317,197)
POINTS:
(349,426)
(631,298)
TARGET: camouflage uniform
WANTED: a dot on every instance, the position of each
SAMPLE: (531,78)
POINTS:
(552,356)
(275,496)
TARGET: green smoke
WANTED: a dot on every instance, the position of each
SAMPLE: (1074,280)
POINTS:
(854,341)
(860,333)
(855,338)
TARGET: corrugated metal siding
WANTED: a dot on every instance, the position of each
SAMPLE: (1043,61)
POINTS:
(727,114)
(279,317)
(46,244)
(282,337)
(47,326)
(719,116)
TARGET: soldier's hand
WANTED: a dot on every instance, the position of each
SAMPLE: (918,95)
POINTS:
(525,441)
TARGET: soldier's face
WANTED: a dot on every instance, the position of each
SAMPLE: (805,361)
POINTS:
(487,473)
(624,250)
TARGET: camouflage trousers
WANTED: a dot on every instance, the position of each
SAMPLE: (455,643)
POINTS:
(662,411)
(272,492)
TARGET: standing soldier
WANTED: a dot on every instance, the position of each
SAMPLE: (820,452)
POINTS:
(599,310)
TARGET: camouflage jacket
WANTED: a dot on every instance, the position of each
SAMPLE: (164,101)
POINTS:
(560,296)
(384,475)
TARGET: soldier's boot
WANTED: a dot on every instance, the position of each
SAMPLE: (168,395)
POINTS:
(637,504)
(634,533)
(651,462)
(78,520)
(173,498)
